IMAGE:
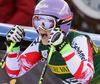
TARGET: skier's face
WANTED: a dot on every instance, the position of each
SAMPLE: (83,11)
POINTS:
(45,35)
(44,24)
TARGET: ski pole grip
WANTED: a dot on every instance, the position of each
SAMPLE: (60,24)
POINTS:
(11,46)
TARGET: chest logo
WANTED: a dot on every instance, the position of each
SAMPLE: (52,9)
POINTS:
(44,53)
(62,69)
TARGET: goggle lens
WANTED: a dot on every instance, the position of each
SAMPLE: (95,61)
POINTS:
(46,22)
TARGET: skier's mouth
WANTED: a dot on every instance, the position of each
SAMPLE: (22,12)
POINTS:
(44,35)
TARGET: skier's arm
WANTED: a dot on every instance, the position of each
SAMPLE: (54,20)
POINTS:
(78,55)
(79,58)
(16,64)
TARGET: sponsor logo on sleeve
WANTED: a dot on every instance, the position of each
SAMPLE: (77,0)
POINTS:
(79,51)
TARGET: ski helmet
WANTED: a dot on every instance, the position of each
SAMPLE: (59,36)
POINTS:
(57,8)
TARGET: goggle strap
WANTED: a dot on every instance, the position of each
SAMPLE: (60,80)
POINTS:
(60,22)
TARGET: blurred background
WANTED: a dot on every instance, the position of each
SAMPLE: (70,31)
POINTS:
(86,15)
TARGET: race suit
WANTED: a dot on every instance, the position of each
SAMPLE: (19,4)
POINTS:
(73,64)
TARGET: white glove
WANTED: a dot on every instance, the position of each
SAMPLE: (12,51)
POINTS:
(56,37)
(15,34)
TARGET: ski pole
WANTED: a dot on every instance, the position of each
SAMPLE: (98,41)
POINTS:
(2,63)
(45,66)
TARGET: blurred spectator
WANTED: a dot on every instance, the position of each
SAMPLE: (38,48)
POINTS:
(82,21)
(37,1)
(17,11)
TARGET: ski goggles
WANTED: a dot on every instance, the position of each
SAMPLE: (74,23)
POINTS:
(43,21)
(49,22)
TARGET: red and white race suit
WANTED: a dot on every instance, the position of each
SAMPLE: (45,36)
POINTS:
(79,60)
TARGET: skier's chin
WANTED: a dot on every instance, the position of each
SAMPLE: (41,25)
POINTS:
(44,38)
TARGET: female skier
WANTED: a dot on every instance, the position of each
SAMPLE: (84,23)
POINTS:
(72,57)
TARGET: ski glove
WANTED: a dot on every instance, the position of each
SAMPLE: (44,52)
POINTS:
(15,34)
(56,37)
